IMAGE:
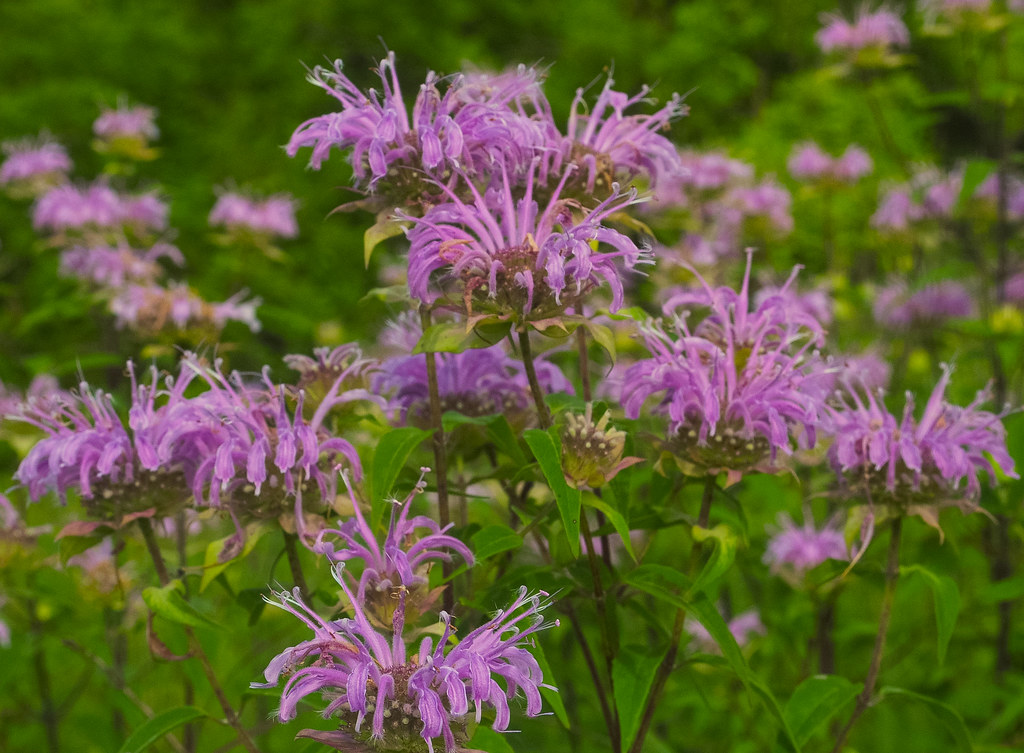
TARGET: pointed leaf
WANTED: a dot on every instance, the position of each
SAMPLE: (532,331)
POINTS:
(385,227)
(389,457)
(603,336)
(494,539)
(452,337)
(815,701)
(487,740)
(553,697)
(722,556)
(615,518)
(547,449)
(212,566)
(946,597)
(168,602)
(159,726)
(947,715)
(633,671)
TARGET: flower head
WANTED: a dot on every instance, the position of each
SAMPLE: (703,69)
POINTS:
(152,308)
(809,162)
(743,627)
(897,307)
(115,266)
(880,29)
(33,166)
(125,122)
(98,208)
(592,452)
(793,550)
(271,217)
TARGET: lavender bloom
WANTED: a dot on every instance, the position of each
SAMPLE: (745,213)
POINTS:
(113,267)
(97,207)
(809,162)
(504,254)
(916,466)
(441,134)
(608,146)
(711,171)
(739,387)
(400,563)
(43,390)
(743,627)
(368,675)
(152,308)
(988,192)
(126,123)
(271,217)
(794,550)
(768,200)
(929,195)
(880,29)
(476,382)
(898,308)
(33,165)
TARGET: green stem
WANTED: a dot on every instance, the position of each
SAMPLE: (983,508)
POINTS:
(440,459)
(291,550)
(668,663)
(543,415)
(892,573)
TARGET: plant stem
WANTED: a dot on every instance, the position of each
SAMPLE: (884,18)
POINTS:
(581,345)
(668,663)
(543,415)
(48,711)
(291,551)
(195,648)
(892,572)
(614,727)
(440,459)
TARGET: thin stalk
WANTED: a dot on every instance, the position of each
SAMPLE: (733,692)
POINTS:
(195,647)
(668,663)
(614,726)
(581,346)
(825,625)
(188,732)
(543,415)
(48,711)
(892,573)
(291,551)
(440,459)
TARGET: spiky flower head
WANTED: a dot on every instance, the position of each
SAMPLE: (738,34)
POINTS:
(400,563)
(740,387)
(502,253)
(809,162)
(898,307)
(391,700)
(33,166)
(153,309)
(868,40)
(126,131)
(116,266)
(257,218)
(793,550)
(592,452)
(98,210)
(908,466)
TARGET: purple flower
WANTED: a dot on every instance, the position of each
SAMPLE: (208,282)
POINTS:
(608,146)
(916,466)
(739,387)
(766,199)
(273,216)
(743,627)
(505,254)
(153,308)
(370,676)
(809,162)
(97,207)
(401,562)
(929,195)
(796,549)
(113,267)
(896,307)
(881,29)
(33,165)
(126,123)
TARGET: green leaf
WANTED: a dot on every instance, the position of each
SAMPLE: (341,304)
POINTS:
(385,227)
(815,701)
(553,697)
(1001,590)
(494,539)
(946,597)
(974,174)
(603,336)
(389,294)
(389,457)
(947,715)
(668,584)
(453,337)
(168,602)
(159,726)
(722,556)
(616,518)
(212,566)
(485,738)
(547,449)
(633,671)
(69,546)
(500,432)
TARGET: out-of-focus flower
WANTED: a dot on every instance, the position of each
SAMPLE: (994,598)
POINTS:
(126,132)
(907,466)
(115,266)
(988,192)
(895,306)
(809,162)
(401,563)
(739,387)
(766,199)
(503,253)
(793,550)
(592,453)
(97,208)
(391,700)
(743,627)
(929,195)
(33,166)
(151,309)
(272,217)
(879,30)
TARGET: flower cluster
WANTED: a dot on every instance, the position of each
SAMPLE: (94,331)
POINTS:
(98,209)
(897,307)
(880,30)
(811,163)
(272,217)
(33,166)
